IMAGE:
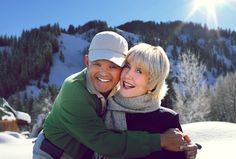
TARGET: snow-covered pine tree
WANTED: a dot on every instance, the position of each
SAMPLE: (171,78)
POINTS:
(191,89)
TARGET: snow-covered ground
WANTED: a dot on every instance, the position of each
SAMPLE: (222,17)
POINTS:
(14,145)
(218,140)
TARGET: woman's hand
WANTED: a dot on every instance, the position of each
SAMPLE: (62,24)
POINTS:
(190,148)
(190,151)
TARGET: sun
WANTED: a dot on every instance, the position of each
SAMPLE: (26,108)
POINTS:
(207,8)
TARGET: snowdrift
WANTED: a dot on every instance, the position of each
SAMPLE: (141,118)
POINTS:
(217,139)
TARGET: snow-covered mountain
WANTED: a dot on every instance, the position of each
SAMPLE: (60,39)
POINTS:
(72,47)
(216,48)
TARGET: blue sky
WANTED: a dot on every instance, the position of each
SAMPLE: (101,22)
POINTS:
(16,15)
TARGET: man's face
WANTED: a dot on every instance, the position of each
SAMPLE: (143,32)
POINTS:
(104,75)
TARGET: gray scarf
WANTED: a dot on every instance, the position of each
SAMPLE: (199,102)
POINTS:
(118,106)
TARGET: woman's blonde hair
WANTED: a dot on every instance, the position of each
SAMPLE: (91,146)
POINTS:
(153,60)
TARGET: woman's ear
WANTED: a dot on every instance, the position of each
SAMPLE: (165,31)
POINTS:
(86,60)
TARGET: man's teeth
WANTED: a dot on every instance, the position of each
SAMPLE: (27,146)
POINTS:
(103,80)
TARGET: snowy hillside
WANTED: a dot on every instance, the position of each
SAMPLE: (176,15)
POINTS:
(217,139)
(72,48)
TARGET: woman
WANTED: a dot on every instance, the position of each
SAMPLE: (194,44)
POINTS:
(137,105)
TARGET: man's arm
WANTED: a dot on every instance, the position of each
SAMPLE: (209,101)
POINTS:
(90,130)
(80,120)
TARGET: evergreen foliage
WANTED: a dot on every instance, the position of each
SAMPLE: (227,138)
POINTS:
(96,24)
(203,42)
(29,58)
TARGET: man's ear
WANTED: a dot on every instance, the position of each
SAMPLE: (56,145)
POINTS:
(86,60)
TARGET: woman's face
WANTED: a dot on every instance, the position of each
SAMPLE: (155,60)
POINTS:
(133,80)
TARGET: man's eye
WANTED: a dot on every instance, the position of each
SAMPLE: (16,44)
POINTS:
(96,64)
(113,66)
(126,66)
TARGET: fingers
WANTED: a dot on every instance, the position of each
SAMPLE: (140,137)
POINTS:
(190,151)
(173,140)
(187,138)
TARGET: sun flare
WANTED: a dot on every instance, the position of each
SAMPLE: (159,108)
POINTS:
(207,8)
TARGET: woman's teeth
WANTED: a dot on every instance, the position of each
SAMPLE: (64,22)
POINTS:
(128,85)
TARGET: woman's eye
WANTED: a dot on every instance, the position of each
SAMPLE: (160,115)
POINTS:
(139,71)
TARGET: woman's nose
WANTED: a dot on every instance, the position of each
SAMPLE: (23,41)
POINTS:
(128,74)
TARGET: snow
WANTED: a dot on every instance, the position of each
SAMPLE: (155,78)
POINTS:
(32,90)
(130,36)
(23,116)
(15,145)
(184,38)
(72,47)
(6,48)
(12,114)
(9,116)
(38,125)
(218,140)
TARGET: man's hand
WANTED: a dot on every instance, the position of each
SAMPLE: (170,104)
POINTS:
(173,140)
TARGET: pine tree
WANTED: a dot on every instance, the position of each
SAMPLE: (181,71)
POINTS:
(62,57)
(71,29)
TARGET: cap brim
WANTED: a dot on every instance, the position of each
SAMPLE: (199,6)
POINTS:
(109,55)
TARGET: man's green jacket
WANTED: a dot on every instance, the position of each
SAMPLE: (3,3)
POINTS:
(74,125)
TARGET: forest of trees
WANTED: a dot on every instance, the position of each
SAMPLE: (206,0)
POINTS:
(207,44)
(195,100)
(28,58)
(223,98)
(194,51)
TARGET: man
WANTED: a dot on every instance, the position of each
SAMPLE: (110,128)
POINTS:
(75,127)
